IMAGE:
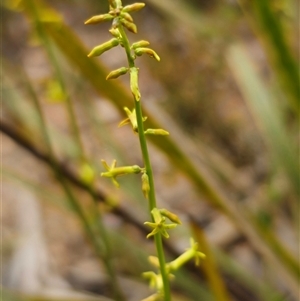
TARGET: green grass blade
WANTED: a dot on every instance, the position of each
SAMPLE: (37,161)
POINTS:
(263,108)
(268,27)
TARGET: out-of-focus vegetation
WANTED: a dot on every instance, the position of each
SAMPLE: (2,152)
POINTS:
(227,88)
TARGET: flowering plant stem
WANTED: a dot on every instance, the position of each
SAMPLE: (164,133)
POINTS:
(148,169)
(159,226)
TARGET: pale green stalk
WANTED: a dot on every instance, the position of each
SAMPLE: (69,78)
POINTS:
(148,168)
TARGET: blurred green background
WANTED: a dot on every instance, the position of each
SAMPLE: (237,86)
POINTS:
(227,90)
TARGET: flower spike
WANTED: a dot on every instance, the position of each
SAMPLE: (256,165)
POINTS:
(121,22)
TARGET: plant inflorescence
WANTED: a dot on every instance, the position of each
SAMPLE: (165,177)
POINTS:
(162,220)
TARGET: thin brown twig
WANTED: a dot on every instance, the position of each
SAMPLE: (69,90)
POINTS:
(238,290)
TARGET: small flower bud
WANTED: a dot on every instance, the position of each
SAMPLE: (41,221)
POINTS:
(139,44)
(134,83)
(98,50)
(87,173)
(156,132)
(126,16)
(157,215)
(115,32)
(116,73)
(99,18)
(123,170)
(112,3)
(115,12)
(154,261)
(133,7)
(145,185)
(149,51)
(171,216)
(129,25)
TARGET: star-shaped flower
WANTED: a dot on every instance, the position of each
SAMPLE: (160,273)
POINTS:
(154,279)
(190,253)
(131,118)
(159,225)
(197,254)
(113,171)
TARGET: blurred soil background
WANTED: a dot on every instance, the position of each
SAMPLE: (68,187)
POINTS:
(227,91)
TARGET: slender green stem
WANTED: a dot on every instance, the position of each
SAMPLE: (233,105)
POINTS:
(59,76)
(103,253)
(148,168)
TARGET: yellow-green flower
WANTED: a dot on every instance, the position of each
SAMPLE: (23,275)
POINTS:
(159,225)
(113,171)
(131,118)
(189,254)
